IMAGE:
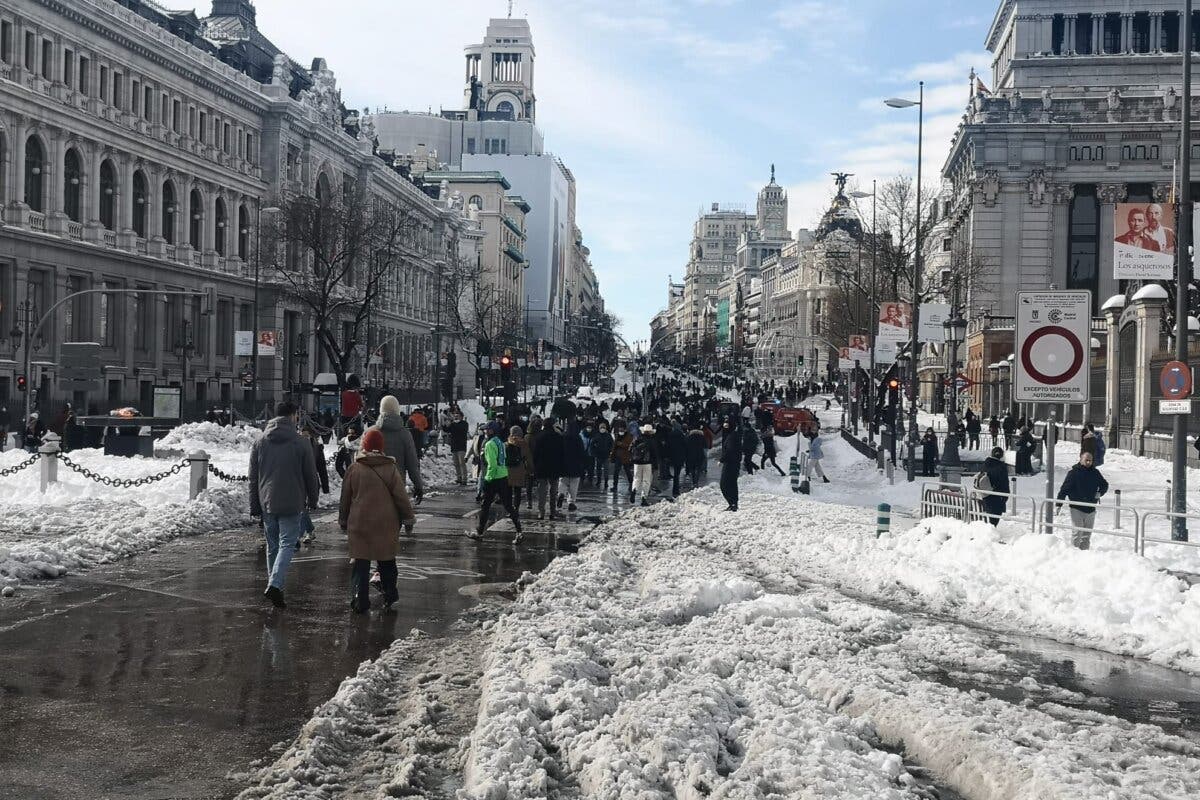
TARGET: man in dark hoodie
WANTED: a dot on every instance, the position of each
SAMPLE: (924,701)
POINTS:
(696,455)
(731,461)
(1083,486)
(283,484)
(600,450)
(400,445)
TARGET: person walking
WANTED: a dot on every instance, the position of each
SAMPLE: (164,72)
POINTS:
(769,452)
(589,464)
(5,422)
(458,432)
(283,483)
(731,461)
(929,453)
(307,529)
(495,482)
(994,478)
(994,430)
(621,456)
(1025,447)
(696,456)
(815,454)
(373,507)
(1083,487)
(420,426)
(600,451)
(532,434)
(347,449)
(644,455)
(1009,426)
(398,443)
(676,454)
(750,443)
(519,460)
(575,460)
(548,466)
(974,428)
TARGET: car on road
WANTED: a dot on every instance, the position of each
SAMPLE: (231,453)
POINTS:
(789,421)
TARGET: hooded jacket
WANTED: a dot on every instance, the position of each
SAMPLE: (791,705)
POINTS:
(283,473)
(398,443)
(548,454)
(574,453)
(1082,485)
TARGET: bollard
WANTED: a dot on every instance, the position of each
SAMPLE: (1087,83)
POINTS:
(1013,479)
(49,460)
(880,456)
(891,472)
(794,469)
(1117,509)
(198,480)
(883,519)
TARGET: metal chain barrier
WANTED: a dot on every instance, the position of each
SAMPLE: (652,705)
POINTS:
(124,483)
(15,468)
(225,476)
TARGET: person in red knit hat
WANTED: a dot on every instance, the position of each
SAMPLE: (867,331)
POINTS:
(374,505)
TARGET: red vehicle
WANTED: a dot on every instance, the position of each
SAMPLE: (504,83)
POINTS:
(789,421)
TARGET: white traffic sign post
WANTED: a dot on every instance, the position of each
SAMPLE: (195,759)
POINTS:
(1054,331)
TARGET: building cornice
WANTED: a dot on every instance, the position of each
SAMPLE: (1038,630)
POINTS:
(999,23)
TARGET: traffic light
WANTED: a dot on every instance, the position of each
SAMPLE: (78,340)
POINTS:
(22,383)
(800,360)
(208,303)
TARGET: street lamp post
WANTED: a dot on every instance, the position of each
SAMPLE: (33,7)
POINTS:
(255,312)
(916,282)
(873,314)
(1183,262)
(956,329)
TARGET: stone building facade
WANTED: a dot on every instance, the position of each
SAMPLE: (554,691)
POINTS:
(139,149)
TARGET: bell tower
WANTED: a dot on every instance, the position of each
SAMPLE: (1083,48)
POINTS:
(771,219)
(499,76)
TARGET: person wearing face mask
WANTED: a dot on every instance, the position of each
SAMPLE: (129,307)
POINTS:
(599,450)
(621,456)
(1083,487)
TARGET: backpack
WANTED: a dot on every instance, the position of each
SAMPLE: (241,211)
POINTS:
(513,457)
(982,482)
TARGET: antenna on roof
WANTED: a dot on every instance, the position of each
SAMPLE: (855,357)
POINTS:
(510,2)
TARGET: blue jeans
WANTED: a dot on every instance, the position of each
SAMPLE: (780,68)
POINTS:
(283,533)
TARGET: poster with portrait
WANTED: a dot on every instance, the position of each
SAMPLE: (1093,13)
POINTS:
(895,322)
(845,362)
(266,342)
(860,348)
(1144,243)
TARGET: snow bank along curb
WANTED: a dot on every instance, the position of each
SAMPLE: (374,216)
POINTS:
(656,665)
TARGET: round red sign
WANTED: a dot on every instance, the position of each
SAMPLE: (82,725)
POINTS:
(1175,380)
(1046,378)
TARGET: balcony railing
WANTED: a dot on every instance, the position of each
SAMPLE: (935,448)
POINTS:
(37,221)
(74,230)
(109,238)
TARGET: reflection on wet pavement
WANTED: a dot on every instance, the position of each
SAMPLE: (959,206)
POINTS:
(158,676)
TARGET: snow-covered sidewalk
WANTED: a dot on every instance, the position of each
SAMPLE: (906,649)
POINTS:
(687,653)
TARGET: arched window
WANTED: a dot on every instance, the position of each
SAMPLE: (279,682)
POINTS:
(72,185)
(140,198)
(108,191)
(324,192)
(35,165)
(506,108)
(476,201)
(243,246)
(168,212)
(219,227)
(194,227)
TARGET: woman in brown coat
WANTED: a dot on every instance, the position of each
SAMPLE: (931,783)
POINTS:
(373,507)
(519,460)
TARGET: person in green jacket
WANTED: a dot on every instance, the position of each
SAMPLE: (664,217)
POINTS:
(495,482)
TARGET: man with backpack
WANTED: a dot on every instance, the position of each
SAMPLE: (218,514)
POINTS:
(994,478)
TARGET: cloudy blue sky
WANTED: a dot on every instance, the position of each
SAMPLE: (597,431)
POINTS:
(661,107)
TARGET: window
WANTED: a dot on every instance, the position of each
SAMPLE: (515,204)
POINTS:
(142,311)
(6,35)
(947,245)
(1140,31)
(471,145)
(148,104)
(176,112)
(139,204)
(219,227)
(47,59)
(85,71)
(109,317)
(164,110)
(172,317)
(203,128)
(103,83)
(1112,33)
(1083,267)
(30,51)
(1169,41)
(243,242)
(225,138)
(35,160)
(224,327)
(78,327)
(476,201)
(1083,34)
(108,191)
(191,126)
(72,185)
(195,207)
(118,93)
(250,144)
(68,68)
(168,212)
(135,97)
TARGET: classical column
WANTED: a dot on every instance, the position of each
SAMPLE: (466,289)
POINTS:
(1112,369)
(1069,35)
(1148,318)
(126,235)
(17,208)
(53,175)
(1126,33)
(1098,33)
(155,243)
(183,221)
(1109,194)
(1156,31)
(90,194)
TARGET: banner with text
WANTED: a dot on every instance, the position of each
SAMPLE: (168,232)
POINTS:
(1144,244)
(931,326)
(895,322)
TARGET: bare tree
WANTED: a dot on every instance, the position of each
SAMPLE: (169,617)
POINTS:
(336,258)
(481,318)
(898,237)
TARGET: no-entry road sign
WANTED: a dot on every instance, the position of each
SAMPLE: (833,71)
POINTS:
(1054,330)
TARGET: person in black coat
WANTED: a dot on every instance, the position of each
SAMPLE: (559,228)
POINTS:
(575,463)
(695,454)
(1083,487)
(974,428)
(458,432)
(676,455)
(1009,426)
(929,453)
(1025,446)
(731,461)
(547,451)
(995,474)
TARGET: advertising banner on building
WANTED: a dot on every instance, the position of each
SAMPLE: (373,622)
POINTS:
(931,327)
(845,362)
(860,348)
(885,351)
(267,341)
(243,343)
(895,322)
(1144,247)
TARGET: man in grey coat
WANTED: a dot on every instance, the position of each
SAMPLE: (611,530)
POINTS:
(398,443)
(283,482)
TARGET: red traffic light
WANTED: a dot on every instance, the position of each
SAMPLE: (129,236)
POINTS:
(505,362)
(893,384)
(22,383)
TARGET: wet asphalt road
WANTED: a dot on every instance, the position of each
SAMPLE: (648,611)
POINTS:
(158,676)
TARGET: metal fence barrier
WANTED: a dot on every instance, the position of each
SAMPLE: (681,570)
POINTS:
(1167,515)
(1011,508)
(949,500)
